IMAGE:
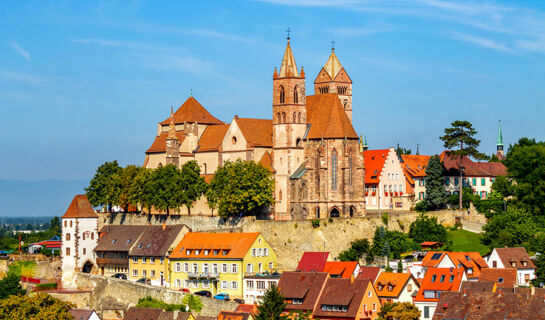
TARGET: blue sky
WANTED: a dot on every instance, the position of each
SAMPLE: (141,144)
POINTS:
(83,82)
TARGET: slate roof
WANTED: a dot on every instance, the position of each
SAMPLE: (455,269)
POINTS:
(160,143)
(515,255)
(342,292)
(302,285)
(237,245)
(504,278)
(396,280)
(343,269)
(257,132)
(142,314)
(80,207)
(212,138)
(155,241)
(81,314)
(119,237)
(374,163)
(313,261)
(327,118)
(192,111)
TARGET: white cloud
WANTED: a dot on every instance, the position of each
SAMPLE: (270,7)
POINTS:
(370,29)
(20,50)
(480,41)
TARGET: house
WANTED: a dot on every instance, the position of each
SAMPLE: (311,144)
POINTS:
(313,261)
(247,308)
(156,314)
(342,269)
(84,314)
(53,244)
(396,287)
(435,283)
(301,290)
(79,237)
(516,258)
(504,277)
(231,315)
(367,272)
(148,257)
(480,286)
(384,178)
(344,298)
(491,305)
(218,262)
(414,169)
(471,262)
(255,285)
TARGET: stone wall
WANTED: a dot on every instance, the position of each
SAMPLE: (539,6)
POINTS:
(291,238)
(110,293)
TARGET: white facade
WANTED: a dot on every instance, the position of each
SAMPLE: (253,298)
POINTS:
(254,287)
(524,275)
(79,239)
(427,309)
(482,186)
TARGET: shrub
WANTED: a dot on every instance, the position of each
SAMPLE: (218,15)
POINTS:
(421,206)
(315,223)
(385,218)
(46,286)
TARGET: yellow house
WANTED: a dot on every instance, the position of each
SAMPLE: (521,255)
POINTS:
(148,257)
(218,262)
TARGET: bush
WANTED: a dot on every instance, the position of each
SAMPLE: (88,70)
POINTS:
(385,218)
(422,206)
(46,286)
(315,223)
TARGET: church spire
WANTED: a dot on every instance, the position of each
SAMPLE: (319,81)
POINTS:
(172,126)
(333,65)
(288,68)
(500,138)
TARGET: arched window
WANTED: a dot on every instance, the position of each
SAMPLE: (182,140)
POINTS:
(345,103)
(278,118)
(204,167)
(334,170)
(299,118)
(282,95)
(295,96)
(350,169)
(294,117)
(283,117)
(280,195)
(317,212)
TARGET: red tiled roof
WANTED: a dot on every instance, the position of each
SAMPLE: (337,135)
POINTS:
(192,111)
(80,208)
(369,273)
(396,280)
(212,137)
(247,308)
(257,132)
(266,161)
(302,285)
(237,245)
(471,168)
(230,315)
(313,261)
(142,314)
(504,278)
(342,292)
(327,118)
(160,142)
(432,282)
(81,314)
(374,162)
(343,269)
(414,166)
(516,255)
(466,260)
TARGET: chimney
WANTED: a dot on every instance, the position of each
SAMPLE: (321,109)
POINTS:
(236,117)
(164,226)
(445,305)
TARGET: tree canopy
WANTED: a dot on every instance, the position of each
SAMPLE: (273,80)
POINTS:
(399,311)
(357,249)
(10,285)
(167,191)
(272,305)
(99,191)
(426,228)
(436,195)
(192,184)
(40,306)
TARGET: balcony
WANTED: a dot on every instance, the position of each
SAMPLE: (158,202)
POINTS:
(113,261)
(203,275)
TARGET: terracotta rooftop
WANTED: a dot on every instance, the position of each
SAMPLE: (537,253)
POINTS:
(156,241)
(302,285)
(515,258)
(248,308)
(192,111)
(439,279)
(342,292)
(212,138)
(80,207)
(231,315)
(160,142)
(327,118)
(266,161)
(81,314)
(467,260)
(475,287)
(390,280)
(342,269)
(414,166)
(367,272)
(257,132)
(471,168)
(313,261)
(142,314)
(374,163)
(217,245)
(504,278)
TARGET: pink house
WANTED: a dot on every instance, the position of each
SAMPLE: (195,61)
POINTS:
(384,178)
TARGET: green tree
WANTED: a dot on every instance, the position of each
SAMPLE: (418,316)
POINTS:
(436,195)
(357,249)
(55,225)
(10,285)
(166,188)
(99,189)
(391,243)
(121,185)
(399,311)
(503,186)
(426,228)
(272,305)
(240,188)
(539,280)
(192,184)
(513,228)
(193,302)
(460,140)
(141,192)
(36,307)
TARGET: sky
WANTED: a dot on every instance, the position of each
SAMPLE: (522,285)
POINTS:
(84,82)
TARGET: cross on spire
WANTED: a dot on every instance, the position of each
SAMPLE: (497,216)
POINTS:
(288,32)
(332,44)
(191,92)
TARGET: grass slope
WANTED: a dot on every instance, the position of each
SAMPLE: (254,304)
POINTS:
(466,241)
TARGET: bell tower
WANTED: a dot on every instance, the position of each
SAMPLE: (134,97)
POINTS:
(173,143)
(289,126)
(333,78)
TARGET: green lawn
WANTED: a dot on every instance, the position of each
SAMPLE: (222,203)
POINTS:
(467,241)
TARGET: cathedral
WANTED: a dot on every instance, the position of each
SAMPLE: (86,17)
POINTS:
(310,145)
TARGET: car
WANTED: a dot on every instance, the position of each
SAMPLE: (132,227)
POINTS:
(222,296)
(204,293)
(120,276)
(144,281)
(239,301)
(184,290)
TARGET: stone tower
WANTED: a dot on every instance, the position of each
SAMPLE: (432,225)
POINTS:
(289,126)
(173,143)
(334,79)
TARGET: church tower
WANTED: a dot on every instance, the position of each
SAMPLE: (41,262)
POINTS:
(499,145)
(173,143)
(334,79)
(289,126)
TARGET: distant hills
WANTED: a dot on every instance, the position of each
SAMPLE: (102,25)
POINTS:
(37,198)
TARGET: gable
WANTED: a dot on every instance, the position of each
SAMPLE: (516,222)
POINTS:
(234,139)
(342,76)
(323,77)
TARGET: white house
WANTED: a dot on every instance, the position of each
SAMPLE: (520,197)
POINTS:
(255,285)
(79,238)
(396,287)
(516,258)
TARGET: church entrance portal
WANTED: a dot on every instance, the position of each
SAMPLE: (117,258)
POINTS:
(334,213)
(87,267)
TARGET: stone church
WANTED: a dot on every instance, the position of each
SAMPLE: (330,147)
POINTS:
(310,145)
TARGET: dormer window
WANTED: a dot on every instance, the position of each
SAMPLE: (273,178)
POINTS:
(129,241)
(206,252)
(390,287)
(114,241)
(188,252)
(433,278)
(216,252)
(225,252)
(513,264)
(524,263)
(451,278)
(469,270)
(468,258)
(380,287)
(197,252)
(139,245)
(442,279)
(500,280)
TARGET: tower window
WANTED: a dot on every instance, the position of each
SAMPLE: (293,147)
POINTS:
(234,140)
(350,170)
(294,117)
(345,103)
(299,118)
(283,117)
(295,96)
(323,90)
(334,170)
(282,95)
(278,118)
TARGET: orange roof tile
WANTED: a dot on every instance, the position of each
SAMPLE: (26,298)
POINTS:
(439,279)
(397,280)
(257,132)
(80,207)
(266,161)
(374,162)
(160,142)
(345,269)
(414,166)
(192,111)
(219,245)
(327,118)
(517,255)
(212,137)
(466,260)
(247,308)
(432,258)
(504,277)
